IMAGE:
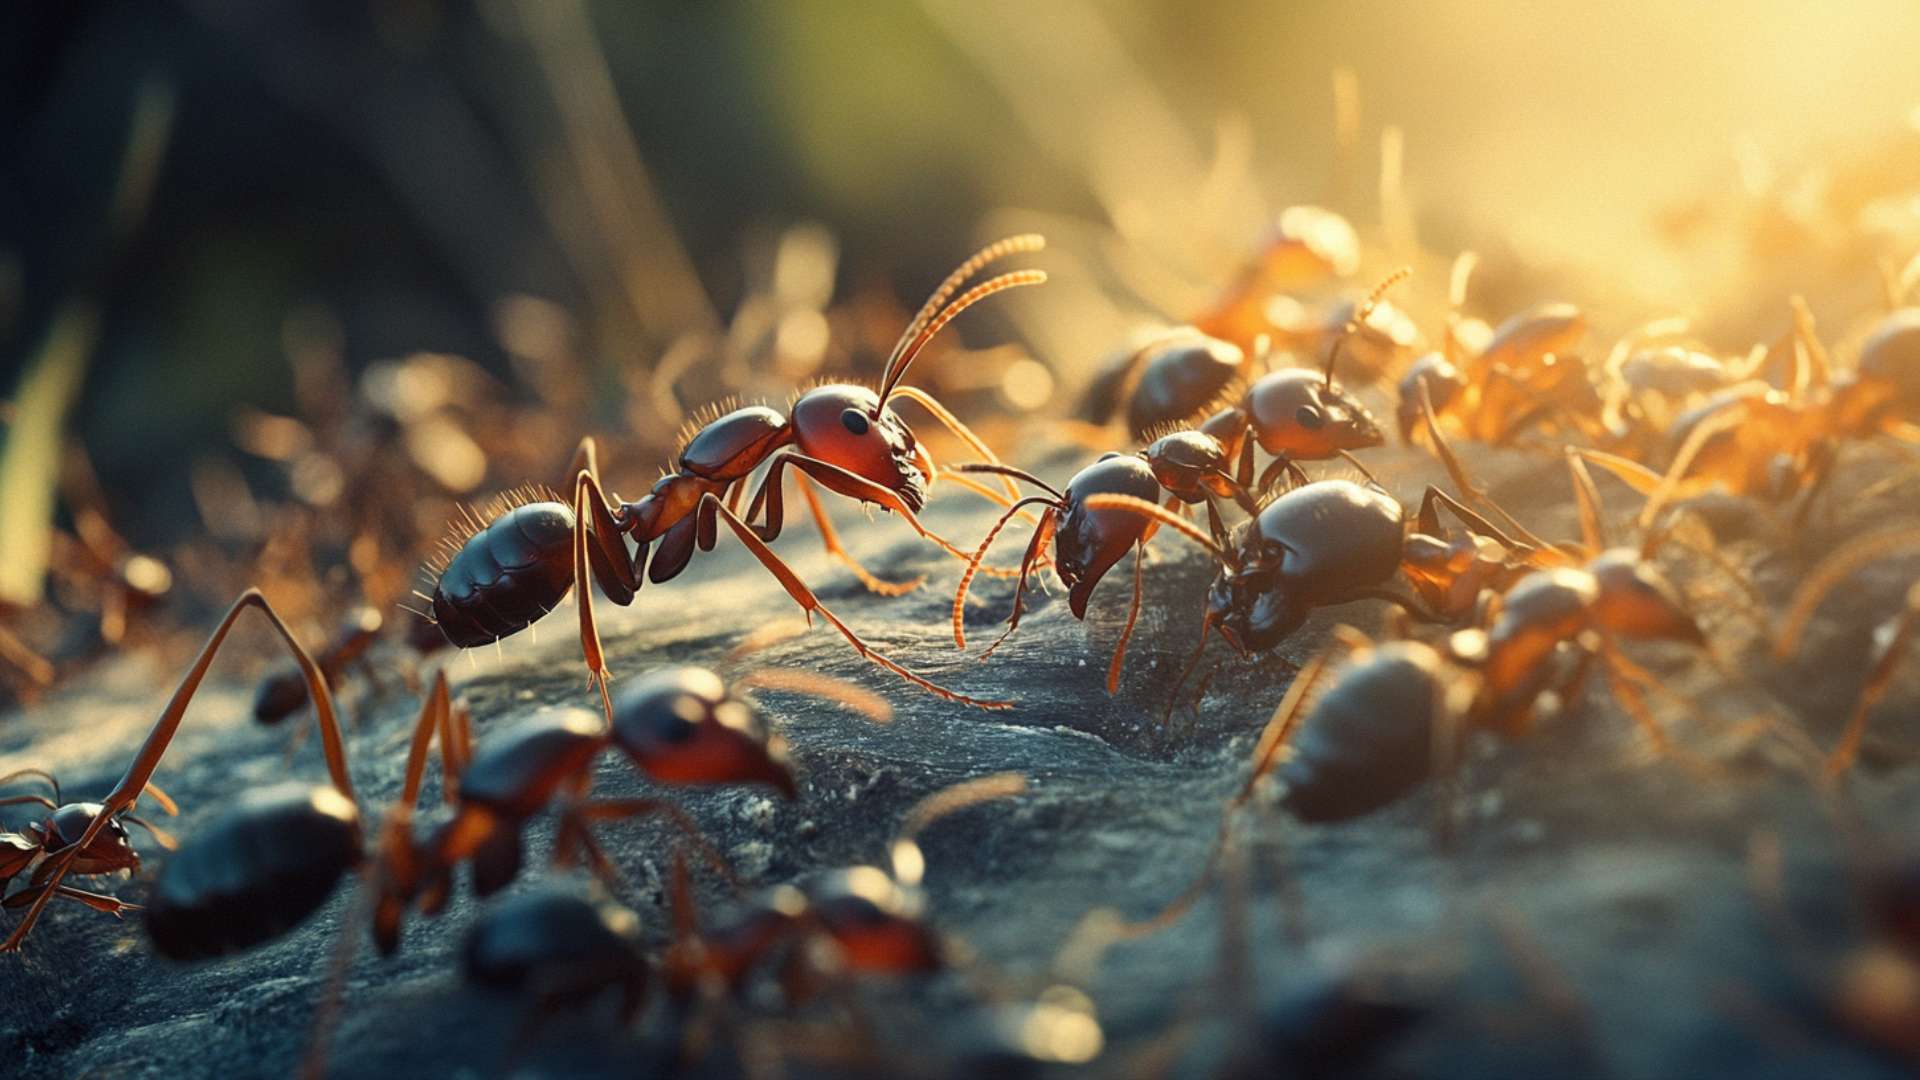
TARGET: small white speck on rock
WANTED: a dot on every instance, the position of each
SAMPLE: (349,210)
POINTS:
(759,812)
(752,859)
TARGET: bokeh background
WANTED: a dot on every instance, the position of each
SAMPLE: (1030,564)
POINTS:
(222,184)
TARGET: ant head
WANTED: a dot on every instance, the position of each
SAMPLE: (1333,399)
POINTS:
(111,848)
(1299,413)
(847,426)
(1251,602)
(1637,601)
(681,725)
(1089,542)
(1442,380)
(1184,461)
(875,921)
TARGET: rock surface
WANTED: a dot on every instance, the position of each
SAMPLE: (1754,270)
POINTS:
(1593,913)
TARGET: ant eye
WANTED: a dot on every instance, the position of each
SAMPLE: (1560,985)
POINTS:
(855,421)
(1309,417)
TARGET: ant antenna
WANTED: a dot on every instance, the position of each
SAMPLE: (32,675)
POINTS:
(937,312)
(1165,517)
(1362,313)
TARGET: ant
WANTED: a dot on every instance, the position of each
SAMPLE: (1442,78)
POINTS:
(861,920)
(1489,386)
(1293,414)
(98,839)
(1189,466)
(842,437)
(65,823)
(1306,244)
(1892,639)
(1755,440)
(284,692)
(561,948)
(680,725)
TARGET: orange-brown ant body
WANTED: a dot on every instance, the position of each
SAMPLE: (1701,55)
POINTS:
(844,438)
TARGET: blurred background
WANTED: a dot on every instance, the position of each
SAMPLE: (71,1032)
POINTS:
(231,231)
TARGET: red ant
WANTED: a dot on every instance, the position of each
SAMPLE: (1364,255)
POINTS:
(1189,466)
(1754,440)
(100,840)
(1293,414)
(284,692)
(842,437)
(1490,386)
(65,824)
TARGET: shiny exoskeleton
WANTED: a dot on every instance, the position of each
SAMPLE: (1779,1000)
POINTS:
(1527,373)
(679,726)
(561,949)
(284,692)
(844,438)
(860,920)
(300,840)
(1171,379)
(1187,466)
(90,838)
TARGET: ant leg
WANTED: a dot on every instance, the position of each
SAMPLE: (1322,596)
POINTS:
(1133,615)
(1243,475)
(1893,641)
(960,430)
(597,674)
(973,563)
(793,681)
(1829,572)
(810,603)
(456,749)
(434,713)
(1429,519)
(140,772)
(1273,471)
(1593,527)
(1456,471)
(830,539)
(111,905)
(1703,432)
(37,669)
(579,816)
(1035,549)
(1266,753)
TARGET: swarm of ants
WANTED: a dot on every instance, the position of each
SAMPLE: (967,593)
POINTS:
(1248,427)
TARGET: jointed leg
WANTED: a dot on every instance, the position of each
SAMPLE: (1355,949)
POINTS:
(1469,491)
(140,772)
(1897,639)
(1133,616)
(1036,548)
(576,819)
(830,539)
(804,596)
(1593,527)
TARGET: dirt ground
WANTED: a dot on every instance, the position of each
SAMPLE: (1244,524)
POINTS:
(1594,913)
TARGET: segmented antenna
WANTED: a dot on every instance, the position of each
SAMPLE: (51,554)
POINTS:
(1362,313)
(937,312)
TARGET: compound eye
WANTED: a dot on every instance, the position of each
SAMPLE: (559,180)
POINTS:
(1309,417)
(855,421)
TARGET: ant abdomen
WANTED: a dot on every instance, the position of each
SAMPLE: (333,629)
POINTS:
(255,873)
(1369,740)
(507,575)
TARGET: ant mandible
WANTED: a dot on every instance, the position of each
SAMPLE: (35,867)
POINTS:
(844,438)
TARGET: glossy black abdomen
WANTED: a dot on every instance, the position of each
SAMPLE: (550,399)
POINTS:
(507,575)
(255,873)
